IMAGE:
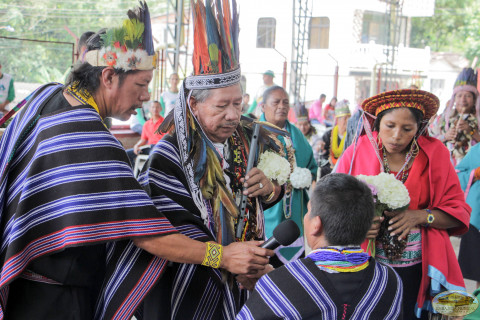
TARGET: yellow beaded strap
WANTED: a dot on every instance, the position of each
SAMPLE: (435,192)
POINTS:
(213,255)
(85,98)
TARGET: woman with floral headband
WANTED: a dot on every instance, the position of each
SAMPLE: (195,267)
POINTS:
(420,250)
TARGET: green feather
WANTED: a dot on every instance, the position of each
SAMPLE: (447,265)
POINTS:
(108,37)
(119,36)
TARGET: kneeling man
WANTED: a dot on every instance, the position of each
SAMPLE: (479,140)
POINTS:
(337,280)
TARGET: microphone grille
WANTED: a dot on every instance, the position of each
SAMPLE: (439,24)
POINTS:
(286,232)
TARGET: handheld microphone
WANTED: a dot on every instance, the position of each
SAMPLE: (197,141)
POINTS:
(284,234)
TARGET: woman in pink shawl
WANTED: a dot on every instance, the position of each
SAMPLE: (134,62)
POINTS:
(415,242)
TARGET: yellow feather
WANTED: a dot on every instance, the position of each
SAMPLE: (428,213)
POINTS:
(134,30)
(213,52)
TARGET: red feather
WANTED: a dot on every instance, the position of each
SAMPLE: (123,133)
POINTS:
(201,57)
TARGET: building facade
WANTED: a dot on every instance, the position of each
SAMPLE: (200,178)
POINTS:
(355,48)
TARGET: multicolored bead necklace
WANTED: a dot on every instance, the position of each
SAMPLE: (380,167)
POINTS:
(333,260)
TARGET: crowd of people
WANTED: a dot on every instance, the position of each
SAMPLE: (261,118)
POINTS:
(84,238)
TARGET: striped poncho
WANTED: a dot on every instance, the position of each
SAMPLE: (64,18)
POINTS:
(67,198)
(186,291)
(300,290)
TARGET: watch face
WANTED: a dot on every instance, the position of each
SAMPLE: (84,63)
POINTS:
(430,218)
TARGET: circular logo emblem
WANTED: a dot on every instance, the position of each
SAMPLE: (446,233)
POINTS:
(455,303)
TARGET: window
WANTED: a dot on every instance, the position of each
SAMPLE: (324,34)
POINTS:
(375,28)
(319,30)
(266,32)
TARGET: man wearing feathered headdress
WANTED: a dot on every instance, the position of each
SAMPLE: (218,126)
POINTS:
(198,172)
(68,195)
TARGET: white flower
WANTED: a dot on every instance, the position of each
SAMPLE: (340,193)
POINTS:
(274,167)
(301,178)
(391,192)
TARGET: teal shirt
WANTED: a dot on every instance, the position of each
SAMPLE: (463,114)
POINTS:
(464,169)
(276,214)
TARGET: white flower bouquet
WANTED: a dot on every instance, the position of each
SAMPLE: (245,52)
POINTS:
(301,178)
(389,194)
(274,166)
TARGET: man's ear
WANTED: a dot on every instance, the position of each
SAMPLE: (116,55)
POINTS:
(317,226)
(263,106)
(107,77)
(194,106)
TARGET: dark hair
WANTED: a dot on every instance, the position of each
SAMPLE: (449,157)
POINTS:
(345,207)
(417,114)
(83,40)
(268,92)
(323,96)
(86,76)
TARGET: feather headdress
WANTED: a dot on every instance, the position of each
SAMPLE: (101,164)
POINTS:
(466,81)
(215,37)
(216,65)
(128,47)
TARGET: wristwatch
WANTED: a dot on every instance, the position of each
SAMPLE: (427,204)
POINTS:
(430,218)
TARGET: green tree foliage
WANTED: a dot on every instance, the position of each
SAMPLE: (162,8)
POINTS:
(455,27)
(46,20)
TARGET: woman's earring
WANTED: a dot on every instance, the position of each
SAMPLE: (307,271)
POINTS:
(414,148)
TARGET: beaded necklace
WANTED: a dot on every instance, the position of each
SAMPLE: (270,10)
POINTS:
(337,148)
(333,260)
(85,98)
(401,175)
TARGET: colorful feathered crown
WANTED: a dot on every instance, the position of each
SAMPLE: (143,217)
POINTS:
(215,37)
(467,77)
(129,47)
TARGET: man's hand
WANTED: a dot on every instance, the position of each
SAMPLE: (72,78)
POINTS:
(248,281)
(135,149)
(245,257)
(257,184)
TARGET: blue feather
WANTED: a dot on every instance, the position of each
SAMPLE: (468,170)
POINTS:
(147,36)
(211,25)
(201,164)
(277,131)
(210,145)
